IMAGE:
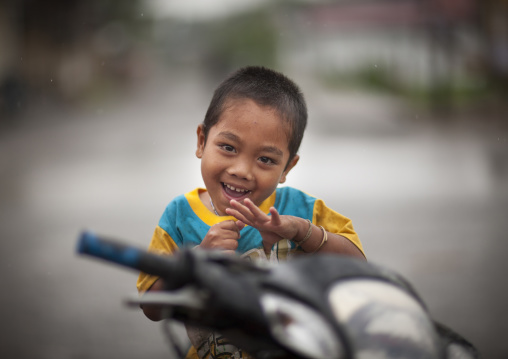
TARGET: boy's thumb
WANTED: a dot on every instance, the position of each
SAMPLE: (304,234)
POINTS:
(240,225)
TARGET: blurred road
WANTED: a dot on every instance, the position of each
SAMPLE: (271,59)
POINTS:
(428,200)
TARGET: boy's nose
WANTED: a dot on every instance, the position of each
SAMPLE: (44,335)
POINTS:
(241,169)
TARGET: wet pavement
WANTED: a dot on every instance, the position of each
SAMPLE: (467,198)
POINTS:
(428,199)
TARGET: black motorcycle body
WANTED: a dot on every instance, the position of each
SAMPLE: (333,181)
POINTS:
(319,306)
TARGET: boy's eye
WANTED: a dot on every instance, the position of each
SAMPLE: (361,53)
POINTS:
(266,160)
(227,148)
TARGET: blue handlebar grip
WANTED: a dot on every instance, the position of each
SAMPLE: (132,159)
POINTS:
(134,258)
(95,246)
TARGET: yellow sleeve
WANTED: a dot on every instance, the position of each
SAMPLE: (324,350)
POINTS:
(161,243)
(335,223)
(192,353)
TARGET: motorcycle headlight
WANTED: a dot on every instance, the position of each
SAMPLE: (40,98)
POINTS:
(383,321)
(300,328)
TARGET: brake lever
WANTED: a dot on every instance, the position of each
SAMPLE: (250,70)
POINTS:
(188,297)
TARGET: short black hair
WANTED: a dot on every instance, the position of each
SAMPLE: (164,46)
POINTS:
(267,88)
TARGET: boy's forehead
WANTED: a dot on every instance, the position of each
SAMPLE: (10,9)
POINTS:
(248,106)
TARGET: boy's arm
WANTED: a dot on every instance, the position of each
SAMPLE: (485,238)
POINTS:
(154,312)
(161,243)
(323,241)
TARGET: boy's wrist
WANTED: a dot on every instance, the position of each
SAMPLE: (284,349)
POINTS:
(304,231)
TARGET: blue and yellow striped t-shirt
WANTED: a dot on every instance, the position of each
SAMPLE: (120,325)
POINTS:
(186,221)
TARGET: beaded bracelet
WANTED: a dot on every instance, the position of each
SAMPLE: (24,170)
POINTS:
(325,239)
(307,236)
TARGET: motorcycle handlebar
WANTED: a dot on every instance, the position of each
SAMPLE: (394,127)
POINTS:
(128,256)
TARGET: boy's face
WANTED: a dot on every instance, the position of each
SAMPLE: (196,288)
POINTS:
(245,154)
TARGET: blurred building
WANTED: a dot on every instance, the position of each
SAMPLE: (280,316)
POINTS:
(80,50)
(61,51)
(406,40)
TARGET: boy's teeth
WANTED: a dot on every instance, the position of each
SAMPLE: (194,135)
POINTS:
(235,189)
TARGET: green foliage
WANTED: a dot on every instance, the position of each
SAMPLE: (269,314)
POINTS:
(240,40)
(437,95)
(369,78)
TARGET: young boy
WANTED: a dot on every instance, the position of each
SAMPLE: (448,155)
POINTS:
(248,143)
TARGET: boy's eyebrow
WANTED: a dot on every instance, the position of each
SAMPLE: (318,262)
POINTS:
(230,136)
(271,149)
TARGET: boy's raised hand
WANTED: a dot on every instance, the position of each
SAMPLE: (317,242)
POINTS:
(273,227)
(223,236)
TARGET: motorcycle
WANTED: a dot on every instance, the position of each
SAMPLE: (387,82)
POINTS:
(319,306)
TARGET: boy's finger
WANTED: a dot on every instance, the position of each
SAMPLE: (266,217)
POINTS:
(253,208)
(239,216)
(243,208)
(229,252)
(275,216)
(230,229)
(239,207)
(228,224)
(240,225)
(230,244)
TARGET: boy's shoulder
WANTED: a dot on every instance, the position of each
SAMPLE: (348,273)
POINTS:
(190,196)
(291,191)
(295,202)
(290,196)
(183,201)
(182,206)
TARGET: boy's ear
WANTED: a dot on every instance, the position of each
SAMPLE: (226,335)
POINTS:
(290,166)
(201,141)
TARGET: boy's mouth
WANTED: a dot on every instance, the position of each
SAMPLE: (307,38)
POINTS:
(233,192)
